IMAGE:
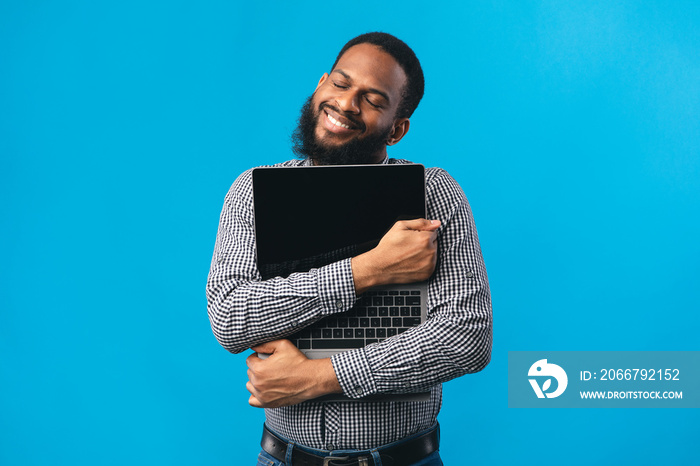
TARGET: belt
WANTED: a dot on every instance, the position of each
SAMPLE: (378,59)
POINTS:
(405,453)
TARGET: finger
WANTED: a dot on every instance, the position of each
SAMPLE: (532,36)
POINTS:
(434,236)
(252,360)
(254,393)
(254,402)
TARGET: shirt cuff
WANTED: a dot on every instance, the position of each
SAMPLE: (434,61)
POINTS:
(336,287)
(353,373)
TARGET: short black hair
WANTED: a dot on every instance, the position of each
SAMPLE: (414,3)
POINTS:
(402,53)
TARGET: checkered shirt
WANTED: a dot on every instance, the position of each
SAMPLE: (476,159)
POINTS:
(245,310)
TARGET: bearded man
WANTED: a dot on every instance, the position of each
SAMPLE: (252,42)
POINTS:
(356,112)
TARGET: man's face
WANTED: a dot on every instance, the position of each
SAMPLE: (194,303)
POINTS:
(350,118)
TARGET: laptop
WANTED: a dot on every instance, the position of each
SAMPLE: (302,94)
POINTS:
(310,216)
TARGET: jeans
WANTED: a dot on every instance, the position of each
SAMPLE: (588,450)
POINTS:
(265,459)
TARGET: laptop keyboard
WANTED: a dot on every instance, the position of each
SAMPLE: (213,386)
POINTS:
(376,316)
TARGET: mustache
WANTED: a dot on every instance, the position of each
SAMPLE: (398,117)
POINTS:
(354,121)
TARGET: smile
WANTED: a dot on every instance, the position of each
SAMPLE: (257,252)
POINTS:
(336,122)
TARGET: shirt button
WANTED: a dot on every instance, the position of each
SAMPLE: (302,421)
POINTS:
(294,323)
(330,446)
(359,390)
(339,304)
(470,275)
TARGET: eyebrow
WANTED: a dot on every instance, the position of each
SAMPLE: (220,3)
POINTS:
(371,89)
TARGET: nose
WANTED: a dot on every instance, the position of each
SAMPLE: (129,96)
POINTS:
(348,102)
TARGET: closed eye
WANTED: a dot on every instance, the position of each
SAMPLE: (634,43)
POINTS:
(369,101)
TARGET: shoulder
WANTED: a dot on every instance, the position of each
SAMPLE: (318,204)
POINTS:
(439,182)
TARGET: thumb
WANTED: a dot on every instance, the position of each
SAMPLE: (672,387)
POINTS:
(268,347)
(420,224)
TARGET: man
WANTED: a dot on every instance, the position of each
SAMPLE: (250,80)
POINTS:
(356,111)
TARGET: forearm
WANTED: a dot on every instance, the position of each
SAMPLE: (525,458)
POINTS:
(450,344)
(244,313)
(405,254)
(287,377)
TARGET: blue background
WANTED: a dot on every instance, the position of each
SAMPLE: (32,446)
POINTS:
(571,126)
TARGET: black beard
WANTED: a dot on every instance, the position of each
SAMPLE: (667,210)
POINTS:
(356,151)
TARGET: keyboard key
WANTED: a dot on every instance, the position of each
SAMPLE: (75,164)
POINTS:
(383,311)
(399,300)
(354,322)
(372,311)
(362,312)
(342,322)
(415,292)
(382,292)
(375,322)
(413,300)
(388,301)
(332,323)
(393,311)
(359,333)
(381,333)
(369,333)
(386,322)
(377,301)
(393,292)
(364,322)
(390,332)
(341,344)
(337,333)
(371,341)
(404,293)
(316,333)
(397,322)
(401,330)
(405,311)
(327,333)
(347,333)
(415,311)
(411,321)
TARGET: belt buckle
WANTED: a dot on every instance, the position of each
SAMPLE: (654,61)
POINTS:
(361,460)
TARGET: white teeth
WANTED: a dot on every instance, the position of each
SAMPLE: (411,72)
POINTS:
(337,123)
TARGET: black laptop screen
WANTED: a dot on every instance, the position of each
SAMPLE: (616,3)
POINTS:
(307,217)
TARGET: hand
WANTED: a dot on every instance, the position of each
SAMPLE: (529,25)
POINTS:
(287,377)
(407,253)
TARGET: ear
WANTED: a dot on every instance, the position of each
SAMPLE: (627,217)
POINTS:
(400,129)
(322,80)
